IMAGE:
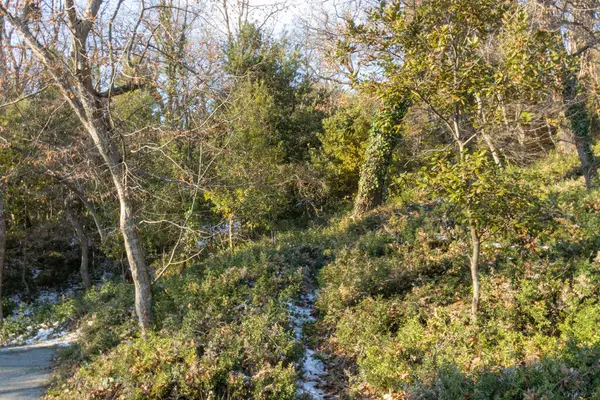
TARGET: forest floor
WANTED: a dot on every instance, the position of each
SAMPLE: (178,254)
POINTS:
(313,369)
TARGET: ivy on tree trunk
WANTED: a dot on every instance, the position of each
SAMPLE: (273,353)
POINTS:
(579,120)
(382,140)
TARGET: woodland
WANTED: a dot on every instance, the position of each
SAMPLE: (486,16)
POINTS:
(339,199)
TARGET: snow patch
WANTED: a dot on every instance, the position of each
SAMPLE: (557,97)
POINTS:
(47,332)
(41,335)
(220,229)
(44,337)
(313,369)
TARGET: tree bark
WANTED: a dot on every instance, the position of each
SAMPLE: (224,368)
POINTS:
(476,248)
(91,107)
(88,205)
(456,135)
(574,93)
(83,242)
(566,142)
(579,119)
(24,269)
(99,129)
(231,233)
(371,186)
(490,144)
(2,249)
(486,138)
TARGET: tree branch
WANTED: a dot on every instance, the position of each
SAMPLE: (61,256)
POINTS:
(126,88)
(47,58)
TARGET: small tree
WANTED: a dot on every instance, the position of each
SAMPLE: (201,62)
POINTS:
(483,198)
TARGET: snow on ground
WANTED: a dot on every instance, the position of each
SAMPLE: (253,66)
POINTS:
(220,229)
(60,339)
(43,297)
(46,336)
(48,333)
(313,369)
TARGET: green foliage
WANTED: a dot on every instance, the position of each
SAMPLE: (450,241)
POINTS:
(439,53)
(273,120)
(383,137)
(222,330)
(252,172)
(252,57)
(39,315)
(343,145)
(482,195)
(393,304)
(402,314)
(251,137)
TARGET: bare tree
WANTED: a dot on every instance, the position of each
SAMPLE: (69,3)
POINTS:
(577,22)
(74,76)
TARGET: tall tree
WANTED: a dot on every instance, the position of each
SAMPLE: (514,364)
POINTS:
(485,200)
(2,246)
(580,16)
(75,77)
(451,57)
(577,22)
(580,123)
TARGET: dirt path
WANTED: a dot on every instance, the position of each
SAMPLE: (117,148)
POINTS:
(25,371)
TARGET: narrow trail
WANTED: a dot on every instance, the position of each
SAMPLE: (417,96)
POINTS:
(313,370)
(26,370)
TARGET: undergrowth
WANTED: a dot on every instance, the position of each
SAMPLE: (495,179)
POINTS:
(394,311)
(222,331)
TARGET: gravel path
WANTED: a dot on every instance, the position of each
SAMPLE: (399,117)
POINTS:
(25,371)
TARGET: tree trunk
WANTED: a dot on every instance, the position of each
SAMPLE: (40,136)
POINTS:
(2,249)
(83,242)
(137,263)
(92,109)
(88,205)
(373,174)
(95,119)
(456,135)
(100,132)
(476,248)
(230,233)
(490,144)
(486,138)
(24,270)
(579,119)
(566,142)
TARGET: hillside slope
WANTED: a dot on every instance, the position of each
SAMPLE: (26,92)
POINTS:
(376,308)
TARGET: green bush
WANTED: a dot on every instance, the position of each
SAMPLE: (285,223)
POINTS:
(223,330)
(396,301)
(393,312)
